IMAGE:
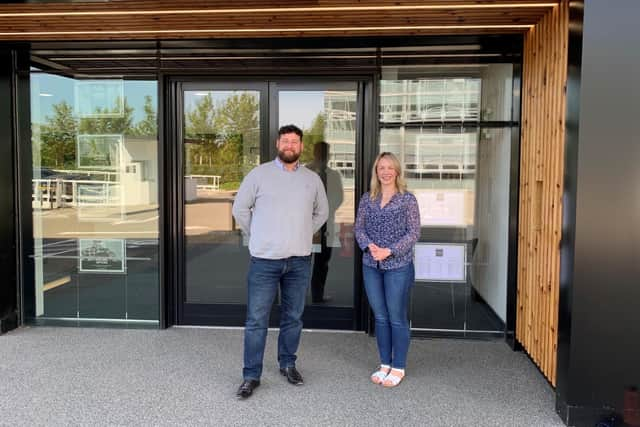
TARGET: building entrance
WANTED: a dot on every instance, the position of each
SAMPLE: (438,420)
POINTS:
(225,129)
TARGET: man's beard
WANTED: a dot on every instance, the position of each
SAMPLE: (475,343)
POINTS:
(288,158)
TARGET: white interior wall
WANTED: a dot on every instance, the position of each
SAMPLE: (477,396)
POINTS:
(489,265)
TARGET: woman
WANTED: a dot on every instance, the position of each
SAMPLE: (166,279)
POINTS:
(387,228)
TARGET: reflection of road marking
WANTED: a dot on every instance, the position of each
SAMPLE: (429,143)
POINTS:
(76,233)
(55,283)
(131,242)
(137,221)
(49,245)
(60,253)
(78,257)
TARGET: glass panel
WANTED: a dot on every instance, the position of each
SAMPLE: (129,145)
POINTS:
(221,145)
(426,99)
(95,198)
(460,176)
(428,93)
(439,169)
(328,118)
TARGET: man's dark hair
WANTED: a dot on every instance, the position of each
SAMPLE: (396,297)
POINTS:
(290,129)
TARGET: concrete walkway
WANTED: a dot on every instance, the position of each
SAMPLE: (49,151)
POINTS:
(188,377)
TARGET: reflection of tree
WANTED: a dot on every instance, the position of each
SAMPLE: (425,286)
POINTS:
(200,131)
(220,137)
(58,138)
(312,136)
(58,135)
(111,122)
(149,125)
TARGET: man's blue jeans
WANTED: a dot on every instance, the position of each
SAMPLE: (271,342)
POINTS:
(388,293)
(291,275)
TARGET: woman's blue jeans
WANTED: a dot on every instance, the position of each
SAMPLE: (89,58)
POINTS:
(388,293)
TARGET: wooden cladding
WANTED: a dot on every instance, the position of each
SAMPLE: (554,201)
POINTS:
(164,19)
(541,186)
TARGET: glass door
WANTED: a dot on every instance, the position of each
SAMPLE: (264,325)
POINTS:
(226,130)
(222,134)
(328,113)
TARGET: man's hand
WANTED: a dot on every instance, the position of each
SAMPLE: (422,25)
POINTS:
(378,253)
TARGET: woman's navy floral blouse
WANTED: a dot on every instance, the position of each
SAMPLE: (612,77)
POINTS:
(396,226)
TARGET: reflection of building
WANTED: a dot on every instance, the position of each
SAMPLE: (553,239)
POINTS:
(128,181)
(138,171)
(409,113)
(437,99)
(340,131)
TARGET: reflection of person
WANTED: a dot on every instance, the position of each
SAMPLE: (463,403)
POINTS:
(333,184)
(387,228)
(279,205)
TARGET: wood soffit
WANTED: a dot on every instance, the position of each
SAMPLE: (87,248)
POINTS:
(200,19)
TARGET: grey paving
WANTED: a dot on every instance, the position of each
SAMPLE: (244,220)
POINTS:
(93,377)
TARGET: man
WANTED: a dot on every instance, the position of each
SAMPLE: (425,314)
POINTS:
(280,205)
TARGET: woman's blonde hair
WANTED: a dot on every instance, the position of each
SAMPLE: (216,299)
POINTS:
(375,186)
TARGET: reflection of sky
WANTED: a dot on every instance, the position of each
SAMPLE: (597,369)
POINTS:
(192,98)
(300,107)
(296,107)
(48,90)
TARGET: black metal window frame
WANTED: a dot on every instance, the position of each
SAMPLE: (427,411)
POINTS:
(508,46)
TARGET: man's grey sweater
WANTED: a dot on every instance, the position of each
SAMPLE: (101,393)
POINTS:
(280,210)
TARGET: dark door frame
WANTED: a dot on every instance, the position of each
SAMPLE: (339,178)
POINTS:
(192,313)
(173,302)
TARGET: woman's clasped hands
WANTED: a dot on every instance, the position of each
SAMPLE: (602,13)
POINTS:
(378,253)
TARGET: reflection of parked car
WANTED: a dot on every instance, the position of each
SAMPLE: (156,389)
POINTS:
(44,173)
(55,188)
(97,250)
(48,173)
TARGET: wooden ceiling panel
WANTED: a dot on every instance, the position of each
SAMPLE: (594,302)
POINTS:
(164,19)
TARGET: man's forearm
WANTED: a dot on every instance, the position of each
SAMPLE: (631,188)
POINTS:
(243,219)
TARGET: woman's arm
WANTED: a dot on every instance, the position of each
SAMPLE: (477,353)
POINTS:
(359,230)
(407,242)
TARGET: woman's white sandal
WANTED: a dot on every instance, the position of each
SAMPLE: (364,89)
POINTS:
(378,376)
(392,379)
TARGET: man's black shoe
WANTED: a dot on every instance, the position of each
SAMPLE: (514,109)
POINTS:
(246,388)
(292,374)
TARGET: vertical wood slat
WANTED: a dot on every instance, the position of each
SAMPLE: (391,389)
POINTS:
(560,129)
(547,245)
(553,112)
(541,175)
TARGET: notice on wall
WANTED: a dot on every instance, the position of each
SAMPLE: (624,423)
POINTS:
(101,255)
(441,207)
(441,262)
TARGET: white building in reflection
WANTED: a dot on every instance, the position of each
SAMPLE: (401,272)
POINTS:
(409,109)
(340,131)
